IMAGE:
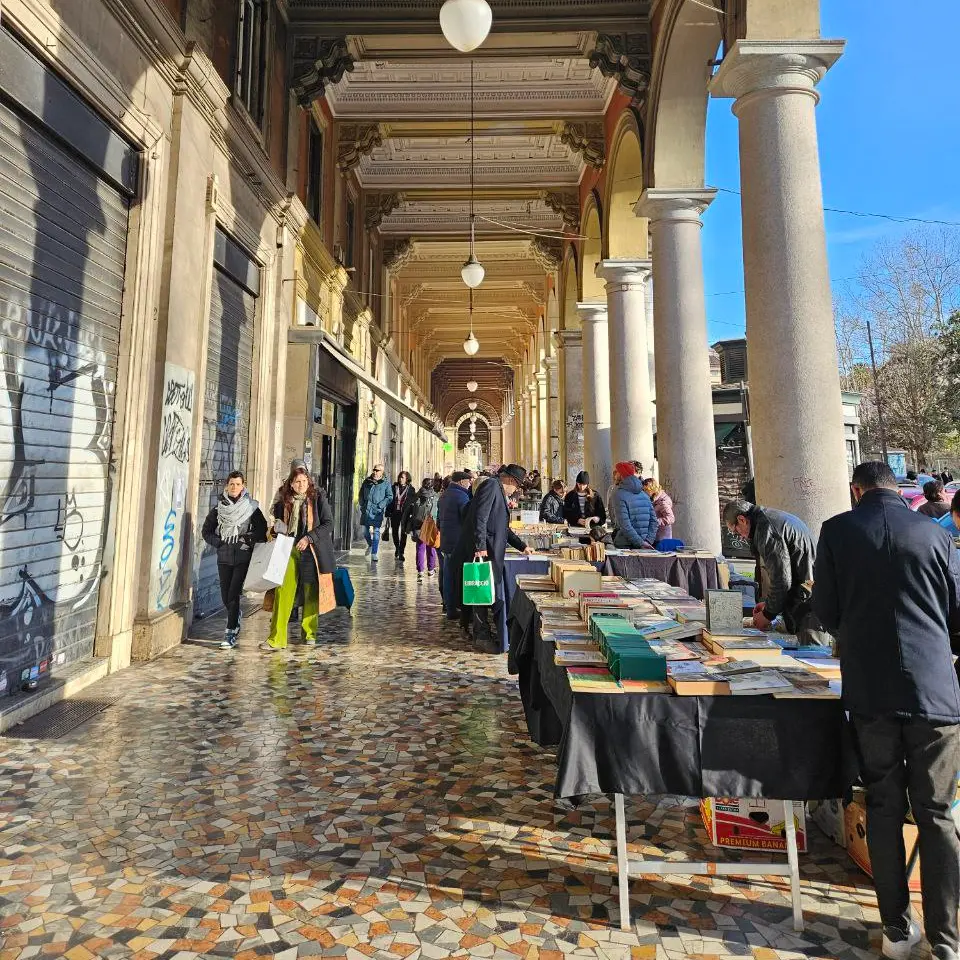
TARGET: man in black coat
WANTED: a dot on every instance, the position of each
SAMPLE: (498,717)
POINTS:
(485,535)
(888,586)
(784,550)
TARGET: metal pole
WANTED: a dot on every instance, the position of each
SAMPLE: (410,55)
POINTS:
(876,393)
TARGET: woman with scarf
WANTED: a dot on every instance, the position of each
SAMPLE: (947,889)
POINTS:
(402,491)
(303,512)
(232,527)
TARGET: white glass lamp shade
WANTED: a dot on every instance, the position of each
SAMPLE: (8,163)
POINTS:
(472,404)
(466,23)
(472,386)
(473,272)
(471,345)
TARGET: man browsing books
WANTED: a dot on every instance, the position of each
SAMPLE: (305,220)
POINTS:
(888,585)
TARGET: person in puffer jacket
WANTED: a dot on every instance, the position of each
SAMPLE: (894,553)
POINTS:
(634,518)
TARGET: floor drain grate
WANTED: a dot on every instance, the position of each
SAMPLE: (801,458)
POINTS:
(60,719)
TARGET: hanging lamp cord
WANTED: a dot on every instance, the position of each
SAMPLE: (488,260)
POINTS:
(472,181)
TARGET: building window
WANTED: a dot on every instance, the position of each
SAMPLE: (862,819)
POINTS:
(315,172)
(350,227)
(252,57)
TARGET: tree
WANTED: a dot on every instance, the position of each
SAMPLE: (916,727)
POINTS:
(908,292)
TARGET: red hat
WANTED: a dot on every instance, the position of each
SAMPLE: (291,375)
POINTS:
(626,469)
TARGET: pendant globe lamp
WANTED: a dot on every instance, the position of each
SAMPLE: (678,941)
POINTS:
(472,271)
(466,23)
(472,386)
(472,405)
(471,345)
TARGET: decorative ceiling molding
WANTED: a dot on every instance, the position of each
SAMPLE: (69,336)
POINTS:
(548,253)
(627,58)
(355,141)
(318,62)
(566,205)
(413,293)
(439,216)
(397,253)
(586,139)
(535,294)
(378,206)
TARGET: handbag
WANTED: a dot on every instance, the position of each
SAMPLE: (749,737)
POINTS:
(343,588)
(326,595)
(386,534)
(478,586)
(430,533)
(268,565)
(268,600)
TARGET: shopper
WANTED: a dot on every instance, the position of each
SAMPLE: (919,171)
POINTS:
(608,500)
(415,514)
(485,535)
(375,496)
(582,506)
(303,512)
(923,477)
(402,491)
(784,551)
(937,503)
(888,585)
(632,513)
(450,513)
(551,507)
(662,506)
(533,482)
(232,527)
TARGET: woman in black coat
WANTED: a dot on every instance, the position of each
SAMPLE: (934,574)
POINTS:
(303,512)
(583,504)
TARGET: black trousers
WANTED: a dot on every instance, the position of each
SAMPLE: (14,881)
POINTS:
(919,760)
(483,621)
(232,576)
(399,539)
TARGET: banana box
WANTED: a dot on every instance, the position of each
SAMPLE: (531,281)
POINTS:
(749,823)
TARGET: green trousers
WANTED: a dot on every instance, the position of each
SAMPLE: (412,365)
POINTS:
(283,601)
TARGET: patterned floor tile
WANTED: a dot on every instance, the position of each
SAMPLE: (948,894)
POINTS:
(376,796)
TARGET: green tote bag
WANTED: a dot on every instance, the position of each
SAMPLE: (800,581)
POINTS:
(478,586)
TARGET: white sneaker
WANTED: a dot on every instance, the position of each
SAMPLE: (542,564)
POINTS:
(375,559)
(900,945)
(420,578)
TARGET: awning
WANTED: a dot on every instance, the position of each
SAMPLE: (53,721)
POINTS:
(327,343)
(722,431)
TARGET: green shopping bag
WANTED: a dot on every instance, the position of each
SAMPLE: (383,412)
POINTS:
(478,586)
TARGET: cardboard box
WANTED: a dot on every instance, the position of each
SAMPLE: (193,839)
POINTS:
(828,815)
(855,820)
(575,582)
(751,824)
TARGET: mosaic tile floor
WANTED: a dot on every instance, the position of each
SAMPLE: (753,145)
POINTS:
(374,797)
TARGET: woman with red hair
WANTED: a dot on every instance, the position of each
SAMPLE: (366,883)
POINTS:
(303,512)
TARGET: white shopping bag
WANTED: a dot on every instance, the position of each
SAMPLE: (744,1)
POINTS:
(268,565)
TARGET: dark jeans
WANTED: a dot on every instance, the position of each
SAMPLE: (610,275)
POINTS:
(399,539)
(920,760)
(232,576)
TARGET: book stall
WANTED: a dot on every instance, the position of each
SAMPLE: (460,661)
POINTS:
(647,689)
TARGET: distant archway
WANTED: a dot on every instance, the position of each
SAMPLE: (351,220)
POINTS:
(591,286)
(570,291)
(625,236)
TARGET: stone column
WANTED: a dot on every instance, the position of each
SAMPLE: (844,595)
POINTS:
(597,456)
(543,436)
(686,448)
(651,352)
(521,426)
(553,417)
(631,415)
(570,346)
(533,461)
(796,409)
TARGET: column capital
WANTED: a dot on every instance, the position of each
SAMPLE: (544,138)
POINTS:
(677,205)
(551,363)
(567,338)
(592,311)
(541,376)
(774,66)
(623,273)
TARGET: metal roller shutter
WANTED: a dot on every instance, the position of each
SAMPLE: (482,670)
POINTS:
(63,231)
(226,411)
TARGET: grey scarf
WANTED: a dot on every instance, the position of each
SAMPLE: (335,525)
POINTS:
(296,513)
(232,515)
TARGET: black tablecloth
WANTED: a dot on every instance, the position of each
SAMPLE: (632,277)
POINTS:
(695,574)
(691,746)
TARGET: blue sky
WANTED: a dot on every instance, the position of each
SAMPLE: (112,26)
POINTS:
(889,128)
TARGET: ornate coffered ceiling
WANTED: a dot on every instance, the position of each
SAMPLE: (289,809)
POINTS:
(445,217)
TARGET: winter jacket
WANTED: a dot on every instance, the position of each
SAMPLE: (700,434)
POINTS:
(320,556)
(418,509)
(934,509)
(453,506)
(663,508)
(551,509)
(572,512)
(400,497)
(634,519)
(784,551)
(888,585)
(234,554)
(375,497)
